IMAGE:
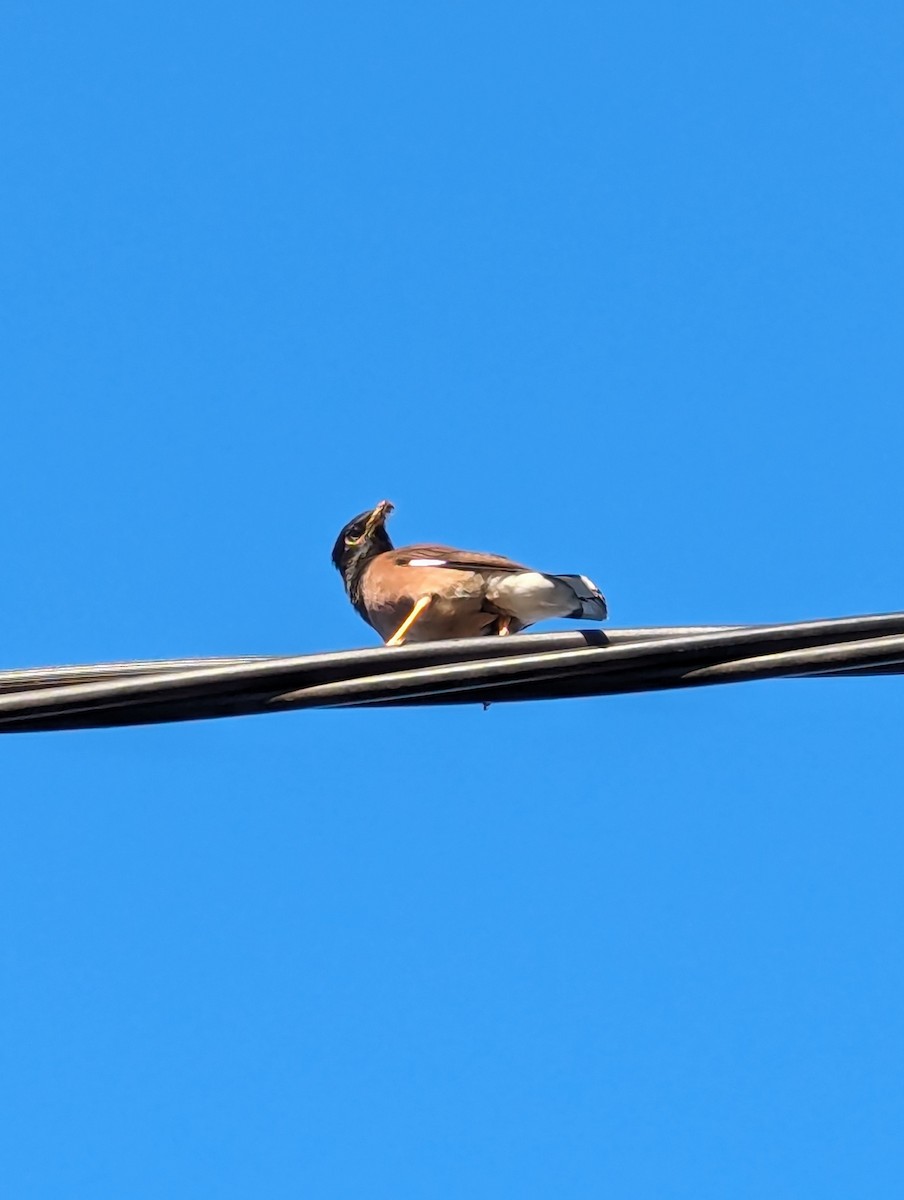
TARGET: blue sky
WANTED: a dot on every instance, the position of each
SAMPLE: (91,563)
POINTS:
(609,288)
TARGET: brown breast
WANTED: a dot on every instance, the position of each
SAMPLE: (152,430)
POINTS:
(390,587)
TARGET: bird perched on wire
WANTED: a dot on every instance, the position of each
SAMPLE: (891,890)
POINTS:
(424,593)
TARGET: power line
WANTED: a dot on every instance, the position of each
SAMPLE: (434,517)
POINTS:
(544,666)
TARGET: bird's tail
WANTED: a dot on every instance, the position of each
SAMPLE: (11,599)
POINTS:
(590,603)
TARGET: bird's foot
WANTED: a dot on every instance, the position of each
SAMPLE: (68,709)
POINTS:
(399,636)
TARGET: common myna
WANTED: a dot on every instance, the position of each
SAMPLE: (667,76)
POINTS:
(423,593)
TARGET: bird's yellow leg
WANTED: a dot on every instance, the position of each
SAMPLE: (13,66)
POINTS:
(399,636)
(504,623)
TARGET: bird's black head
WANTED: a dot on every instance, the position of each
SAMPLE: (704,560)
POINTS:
(360,540)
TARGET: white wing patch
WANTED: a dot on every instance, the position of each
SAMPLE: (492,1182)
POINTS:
(426,562)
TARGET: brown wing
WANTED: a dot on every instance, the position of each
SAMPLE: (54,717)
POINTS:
(394,580)
(453,559)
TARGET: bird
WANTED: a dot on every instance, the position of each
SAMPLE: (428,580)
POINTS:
(426,593)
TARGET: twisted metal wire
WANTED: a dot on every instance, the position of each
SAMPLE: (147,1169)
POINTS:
(544,666)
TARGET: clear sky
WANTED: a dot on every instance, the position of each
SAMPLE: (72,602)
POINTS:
(609,288)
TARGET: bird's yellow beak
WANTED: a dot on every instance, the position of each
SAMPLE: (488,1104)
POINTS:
(378,516)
